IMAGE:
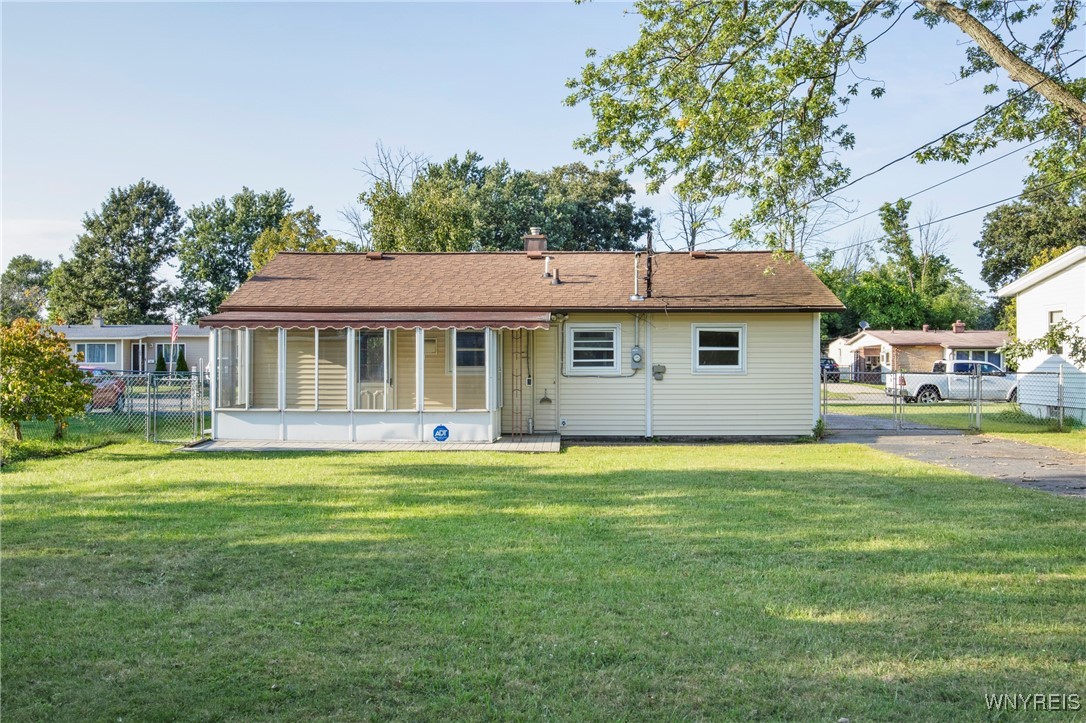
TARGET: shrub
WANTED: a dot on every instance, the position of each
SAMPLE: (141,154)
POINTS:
(40,380)
(181,365)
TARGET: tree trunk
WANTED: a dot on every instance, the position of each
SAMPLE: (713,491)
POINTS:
(1019,70)
(18,431)
(59,427)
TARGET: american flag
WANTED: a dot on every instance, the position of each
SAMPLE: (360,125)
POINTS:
(173,333)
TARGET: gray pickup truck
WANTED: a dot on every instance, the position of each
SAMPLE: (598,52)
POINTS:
(957,383)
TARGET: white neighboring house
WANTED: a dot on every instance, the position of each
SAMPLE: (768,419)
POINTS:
(1049,294)
(135,347)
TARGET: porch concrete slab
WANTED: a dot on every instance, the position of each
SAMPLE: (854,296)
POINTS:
(537,443)
(1018,463)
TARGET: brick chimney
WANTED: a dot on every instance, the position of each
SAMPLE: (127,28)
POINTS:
(959,326)
(925,327)
(535,242)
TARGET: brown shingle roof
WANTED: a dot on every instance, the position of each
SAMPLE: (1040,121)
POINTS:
(969,339)
(470,281)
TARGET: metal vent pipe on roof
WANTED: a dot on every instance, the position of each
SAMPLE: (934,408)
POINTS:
(636,296)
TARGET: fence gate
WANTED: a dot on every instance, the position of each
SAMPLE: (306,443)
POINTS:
(160,407)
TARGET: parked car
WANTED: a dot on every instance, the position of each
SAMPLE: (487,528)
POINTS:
(830,371)
(958,383)
(109,388)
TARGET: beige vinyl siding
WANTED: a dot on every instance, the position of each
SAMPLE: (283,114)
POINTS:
(332,369)
(301,369)
(264,363)
(403,365)
(774,397)
(608,405)
(437,387)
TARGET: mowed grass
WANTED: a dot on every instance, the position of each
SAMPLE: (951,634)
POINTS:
(786,582)
(83,433)
(1003,420)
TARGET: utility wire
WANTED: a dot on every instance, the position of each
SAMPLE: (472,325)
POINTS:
(911,153)
(940,183)
(961,213)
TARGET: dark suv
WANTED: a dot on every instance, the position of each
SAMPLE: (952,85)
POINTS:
(830,371)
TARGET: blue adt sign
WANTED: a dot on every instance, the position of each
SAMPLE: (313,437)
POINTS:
(441,433)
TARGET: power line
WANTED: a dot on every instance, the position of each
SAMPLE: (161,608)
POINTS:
(916,150)
(911,153)
(940,183)
(962,213)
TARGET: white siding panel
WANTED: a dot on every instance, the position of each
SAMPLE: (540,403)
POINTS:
(604,406)
(774,397)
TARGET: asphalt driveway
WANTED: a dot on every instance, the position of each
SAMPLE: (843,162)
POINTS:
(1018,463)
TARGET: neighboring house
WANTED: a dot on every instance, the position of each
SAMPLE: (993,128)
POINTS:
(872,352)
(1049,294)
(135,347)
(471,346)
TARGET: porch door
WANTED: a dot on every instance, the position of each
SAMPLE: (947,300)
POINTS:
(139,357)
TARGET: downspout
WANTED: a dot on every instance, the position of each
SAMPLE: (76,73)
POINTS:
(647,352)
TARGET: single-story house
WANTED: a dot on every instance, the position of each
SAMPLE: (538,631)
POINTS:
(872,352)
(135,347)
(1049,294)
(471,346)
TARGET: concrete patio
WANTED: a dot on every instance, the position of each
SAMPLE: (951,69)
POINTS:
(537,443)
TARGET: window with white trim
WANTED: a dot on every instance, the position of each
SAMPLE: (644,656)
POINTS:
(98,353)
(593,348)
(169,352)
(719,348)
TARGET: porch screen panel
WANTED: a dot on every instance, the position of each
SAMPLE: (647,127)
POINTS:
(301,371)
(470,361)
(437,385)
(332,369)
(371,369)
(264,365)
(402,361)
(228,369)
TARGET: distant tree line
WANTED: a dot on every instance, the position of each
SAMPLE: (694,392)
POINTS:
(116,263)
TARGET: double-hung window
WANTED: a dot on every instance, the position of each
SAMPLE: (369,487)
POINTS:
(593,348)
(98,353)
(719,348)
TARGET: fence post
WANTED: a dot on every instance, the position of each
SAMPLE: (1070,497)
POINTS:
(1059,398)
(978,377)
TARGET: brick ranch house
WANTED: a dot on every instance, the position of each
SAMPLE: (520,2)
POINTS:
(471,346)
(872,352)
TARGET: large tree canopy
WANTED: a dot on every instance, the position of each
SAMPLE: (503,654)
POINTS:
(743,98)
(463,204)
(911,285)
(215,252)
(23,288)
(298,231)
(115,260)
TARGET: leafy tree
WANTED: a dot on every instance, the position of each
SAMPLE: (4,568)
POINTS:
(463,204)
(24,287)
(913,285)
(1061,338)
(744,98)
(181,365)
(115,260)
(215,250)
(39,378)
(1016,234)
(160,362)
(298,231)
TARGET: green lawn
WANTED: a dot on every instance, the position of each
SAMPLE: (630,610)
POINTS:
(83,433)
(791,582)
(1001,420)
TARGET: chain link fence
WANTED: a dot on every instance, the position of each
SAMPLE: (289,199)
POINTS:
(163,407)
(978,397)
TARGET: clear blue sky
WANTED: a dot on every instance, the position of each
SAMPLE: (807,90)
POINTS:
(206,98)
